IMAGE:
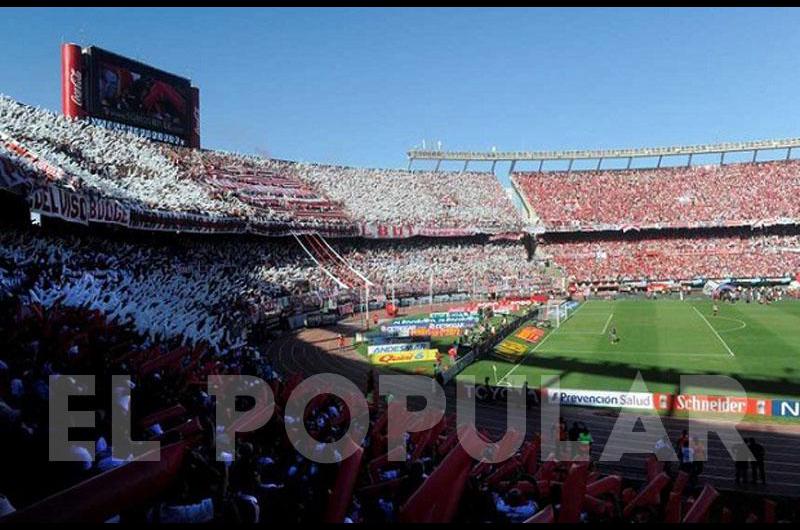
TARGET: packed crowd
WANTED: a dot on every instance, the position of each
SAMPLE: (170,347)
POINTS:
(677,258)
(170,313)
(425,199)
(734,194)
(273,194)
(194,291)
(215,292)
(198,291)
(445,264)
(110,163)
(262,192)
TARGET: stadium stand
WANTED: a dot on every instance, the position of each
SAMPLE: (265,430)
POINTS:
(677,257)
(696,196)
(110,163)
(451,264)
(165,291)
(466,203)
(274,195)
(178,287)
(171,312)
(163,185)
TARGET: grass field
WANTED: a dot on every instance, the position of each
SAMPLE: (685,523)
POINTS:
(758,345)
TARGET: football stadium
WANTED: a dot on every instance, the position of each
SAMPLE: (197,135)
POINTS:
(196,335)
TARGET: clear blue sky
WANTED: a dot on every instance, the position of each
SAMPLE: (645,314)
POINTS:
(360,86)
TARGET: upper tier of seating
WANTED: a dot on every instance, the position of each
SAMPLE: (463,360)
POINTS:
(162,186)
(471,201)
(696,196)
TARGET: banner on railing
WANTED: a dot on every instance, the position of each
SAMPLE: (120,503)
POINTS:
(12,174)
(530,334)
(600,398)
(714,404)
(406,230)
(54,201)
(47,170)
(345,309)
(377,349)
(161,221)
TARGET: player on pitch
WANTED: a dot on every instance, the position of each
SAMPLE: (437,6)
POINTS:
(612,335)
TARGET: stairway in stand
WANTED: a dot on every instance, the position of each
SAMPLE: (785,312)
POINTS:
(331,262)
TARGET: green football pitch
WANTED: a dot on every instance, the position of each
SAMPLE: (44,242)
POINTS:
(758,345)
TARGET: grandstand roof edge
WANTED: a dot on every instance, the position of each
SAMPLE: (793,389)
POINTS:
(422,154)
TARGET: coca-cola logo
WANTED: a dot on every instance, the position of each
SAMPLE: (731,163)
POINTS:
(76,83)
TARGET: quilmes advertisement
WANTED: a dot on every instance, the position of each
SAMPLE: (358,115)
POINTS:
(404,356)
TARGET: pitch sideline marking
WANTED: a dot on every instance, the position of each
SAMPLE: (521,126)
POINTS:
(607,323)
(603,332)
(536,347)
(524,356)
(671,354)
(714,330)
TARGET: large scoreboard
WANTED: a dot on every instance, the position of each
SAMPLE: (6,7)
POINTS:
(98,84)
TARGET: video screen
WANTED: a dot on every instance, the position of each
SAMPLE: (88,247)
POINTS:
(135,94)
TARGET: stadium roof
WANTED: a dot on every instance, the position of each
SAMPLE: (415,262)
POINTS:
(422,154)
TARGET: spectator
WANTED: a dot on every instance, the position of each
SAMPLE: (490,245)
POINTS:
(575,431)
(515,507)
(757,463)
(585,440)
(664,453)
(687,458)
(699,459)
(742,456)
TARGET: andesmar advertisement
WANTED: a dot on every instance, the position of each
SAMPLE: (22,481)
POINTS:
(397,347)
